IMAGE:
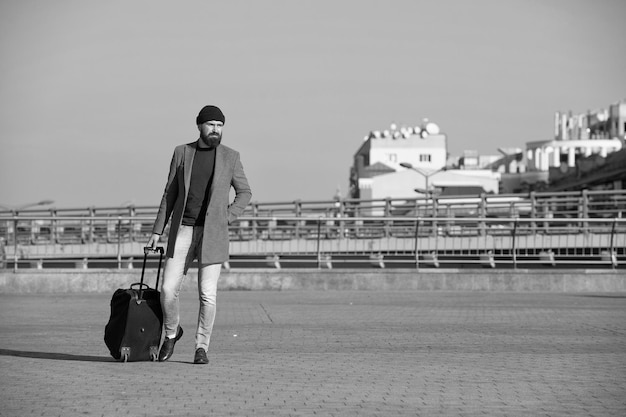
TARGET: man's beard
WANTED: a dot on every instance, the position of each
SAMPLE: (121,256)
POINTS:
(211,140)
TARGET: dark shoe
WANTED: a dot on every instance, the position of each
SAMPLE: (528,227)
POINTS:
(200,357)
(168,346)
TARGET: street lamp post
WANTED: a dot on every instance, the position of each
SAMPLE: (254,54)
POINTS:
(24,206)
(423,173)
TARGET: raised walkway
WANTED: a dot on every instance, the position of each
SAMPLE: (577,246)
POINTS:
(327,353)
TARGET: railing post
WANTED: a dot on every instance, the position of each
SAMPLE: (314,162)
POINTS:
(32,231)
(417,256)
(119,242)
(585,203)
(612,255)
(319,237)
(15,245)
(131,223)
(54,227)
(387,224)
(298,212)
(92,226)
(3,254)
(340,215)
(513,249)
(255,213)
(483,214)
(533,211)
(434,224)
(585,209)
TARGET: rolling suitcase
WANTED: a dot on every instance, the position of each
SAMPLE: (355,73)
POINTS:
(133,332)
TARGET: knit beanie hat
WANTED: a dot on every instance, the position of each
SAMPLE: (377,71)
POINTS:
(210,113)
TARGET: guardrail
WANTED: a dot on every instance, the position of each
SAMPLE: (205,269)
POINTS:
(329,242)
(593,204)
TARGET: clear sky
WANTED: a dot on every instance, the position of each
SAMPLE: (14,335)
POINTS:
(95,95)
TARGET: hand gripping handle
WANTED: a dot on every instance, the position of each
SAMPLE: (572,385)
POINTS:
(146,251)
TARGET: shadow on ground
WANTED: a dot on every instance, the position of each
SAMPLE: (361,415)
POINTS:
(55,356)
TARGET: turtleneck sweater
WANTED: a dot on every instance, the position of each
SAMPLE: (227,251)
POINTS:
(200,185)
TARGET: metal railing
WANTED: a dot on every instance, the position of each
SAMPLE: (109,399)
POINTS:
(593,204)
(99,241)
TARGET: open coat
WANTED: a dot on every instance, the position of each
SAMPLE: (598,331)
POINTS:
(228,172)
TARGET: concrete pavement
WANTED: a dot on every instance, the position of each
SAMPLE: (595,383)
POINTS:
(327,353)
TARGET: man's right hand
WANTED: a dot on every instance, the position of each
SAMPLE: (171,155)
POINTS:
(154,240)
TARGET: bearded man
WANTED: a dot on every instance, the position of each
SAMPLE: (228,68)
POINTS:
(196,197)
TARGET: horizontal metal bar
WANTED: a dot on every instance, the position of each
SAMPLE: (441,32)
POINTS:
(135,219)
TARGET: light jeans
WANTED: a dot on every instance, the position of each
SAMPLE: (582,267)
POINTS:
(188,244)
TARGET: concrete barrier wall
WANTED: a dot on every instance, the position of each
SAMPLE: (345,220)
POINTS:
(105,281)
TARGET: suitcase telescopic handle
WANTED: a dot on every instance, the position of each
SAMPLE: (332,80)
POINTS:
(146,251)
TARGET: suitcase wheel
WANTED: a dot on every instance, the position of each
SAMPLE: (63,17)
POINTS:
(125,352)
(154,353)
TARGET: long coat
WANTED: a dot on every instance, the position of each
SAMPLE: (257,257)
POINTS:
(228,172)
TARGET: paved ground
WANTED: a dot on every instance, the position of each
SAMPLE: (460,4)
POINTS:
(339,353)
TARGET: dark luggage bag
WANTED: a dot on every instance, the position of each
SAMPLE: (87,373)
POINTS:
(133,332)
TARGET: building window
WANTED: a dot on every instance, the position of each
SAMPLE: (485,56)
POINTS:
(424,157)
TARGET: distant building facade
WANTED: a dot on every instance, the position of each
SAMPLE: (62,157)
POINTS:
(378,171)
(578,138)
(587,151)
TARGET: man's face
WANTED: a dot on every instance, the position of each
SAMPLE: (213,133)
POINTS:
(211,133)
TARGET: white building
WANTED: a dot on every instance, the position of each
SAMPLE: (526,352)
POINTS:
(576,137)
(582,135)
(406,162)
